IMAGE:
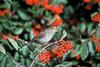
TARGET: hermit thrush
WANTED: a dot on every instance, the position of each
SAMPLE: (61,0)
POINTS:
(45,36)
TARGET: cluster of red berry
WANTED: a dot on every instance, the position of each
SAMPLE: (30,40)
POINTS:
(57,22)
(98,48)
(46,5)
(37,28)
(3,12)
(96,17)
(50,7)
(64,47)
(44,57)
(32,2)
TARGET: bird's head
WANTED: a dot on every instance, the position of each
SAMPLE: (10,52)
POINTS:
(55,29)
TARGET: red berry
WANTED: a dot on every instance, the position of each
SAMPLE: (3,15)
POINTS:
(29,2)
(87,1)
(98,48)
(5,37)
(96,17)
(15,37)
(64,47)
(77,57)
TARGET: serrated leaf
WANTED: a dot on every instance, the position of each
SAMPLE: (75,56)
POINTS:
(14,43)
(90,45)
(84,51)
(2,49)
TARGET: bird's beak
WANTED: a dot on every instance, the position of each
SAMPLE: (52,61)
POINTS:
(56,30)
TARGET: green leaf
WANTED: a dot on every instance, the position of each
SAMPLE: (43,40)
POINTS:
(58,35)
(76,52)
(84,51)
(63,35)
(18,30)
(82,27)
(98,65)
(31,35)
(5,5)
(98,32)
(2,49)
(3,63)
(26,36)
(22,60)
(47,13)
(64,64)
(66,55)
(23,15)
(90,27)
(14,43)
(28,62)
(6,25)
(97,56)
(25,50)
(62,1)
(1,28)
(10,1)
(1,56)
(74,62)
(16,56)
(27,24)
(90,45)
